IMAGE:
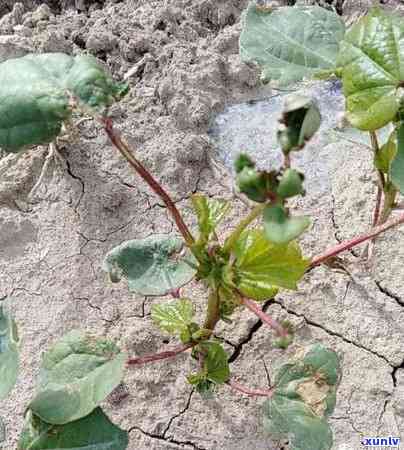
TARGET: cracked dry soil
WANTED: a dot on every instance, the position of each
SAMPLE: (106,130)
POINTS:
(183,58)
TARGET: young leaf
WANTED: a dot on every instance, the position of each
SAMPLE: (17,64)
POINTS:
(397,164)
(174,317)
(304,396)
(261,266)
(242,161)
(291,43)
(280,228)
(35,95)
(93,432)
(300,120)
(371,65)
(9,359)
(216,362)
(386,154)
(77,374)
(210,213)
(215,367)
(152,266)
(291,184)
(203,386)
(254,184)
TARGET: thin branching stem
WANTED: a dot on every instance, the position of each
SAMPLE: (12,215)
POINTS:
(159,356)
(249,391)
(252,306)
(347,245)
(125,151)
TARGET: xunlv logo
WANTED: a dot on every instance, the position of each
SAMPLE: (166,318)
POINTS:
(381,441)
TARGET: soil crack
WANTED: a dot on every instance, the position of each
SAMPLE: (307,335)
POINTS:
(171,439)
(239,347)
(385,291)
(80,180)
(331,333)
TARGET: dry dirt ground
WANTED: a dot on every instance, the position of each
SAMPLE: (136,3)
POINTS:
(184,67)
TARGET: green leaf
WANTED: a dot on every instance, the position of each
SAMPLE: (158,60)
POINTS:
(9,359)
(397,164)
(152,266)
(280,228)
(304,396)
(262,267)
(386,154)
(291,43)
(300,120)
(291,184)
(210,213)
(216,365)
(242,161)
(203,386)
(35,93)
(292,419)
(371,64)
(174,317)
(77,374)
(93,432)
(253,184)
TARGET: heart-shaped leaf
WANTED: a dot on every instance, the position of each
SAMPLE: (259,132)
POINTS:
(261,267)
(291,43)
(280,228)
(77,374)
(35,93)
(93,432)
(173,317)
(371,63)
(304,396)
(397,164)
(9,359)
(210,213)
(152,266)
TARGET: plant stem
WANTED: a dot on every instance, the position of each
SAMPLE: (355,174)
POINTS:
(213,312)
(252,306)
(159,356)
(251,392)
(382,181)
(390,193)
(376,212)
(124,149)
(381,192)
(347,245)
(232,239)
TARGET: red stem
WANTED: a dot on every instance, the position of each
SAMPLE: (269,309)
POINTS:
(356,241)
(251,392)
(252,306)
(159,356)
(124,149)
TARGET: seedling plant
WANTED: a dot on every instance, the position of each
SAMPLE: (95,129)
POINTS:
(42,94)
